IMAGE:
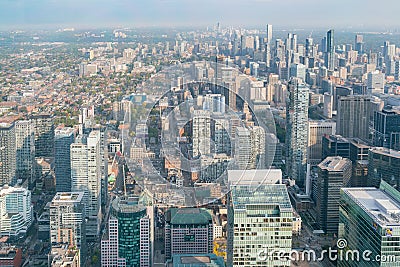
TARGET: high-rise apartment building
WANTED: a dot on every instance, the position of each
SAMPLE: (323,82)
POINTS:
(188,231)
(44,135)
(333,174)
(63,139)
(250,147)
(16,211)
(201,133)
(68,221)
(25,145)
(296,130)
(7,154)
(369,221)
(269,33)
(86,177)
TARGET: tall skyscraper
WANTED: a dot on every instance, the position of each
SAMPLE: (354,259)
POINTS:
(129,238)
(201,133)
(25,144)
(330,50)
(355,110)
(316,130)
(309,47)
(296,130)
(369,221)
(298,71)
(7,154)
(44,135)
(86,177)
(250,147)
(267,209)
(359,44)
(387,128)
(16,211)
(333,174)
(67,221)
(188,231)
(269,33)
(63,139)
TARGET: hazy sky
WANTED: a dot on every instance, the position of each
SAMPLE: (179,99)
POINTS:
(294,13)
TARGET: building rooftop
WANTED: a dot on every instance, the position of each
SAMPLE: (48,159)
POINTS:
(127,205)
(334,164)
(8,252)
(386,152)
(68,197)
(377,203)
(243,195)
(254,177)
(188,216)
(6,189)
(64,256)
(200,260)
(64,131)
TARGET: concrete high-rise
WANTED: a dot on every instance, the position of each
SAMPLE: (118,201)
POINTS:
(269,33)
(316,130)
(25,144)
(249,147)
(16,211)
(359,44)
(7,154)
(201,133)
(355,111)
(86,177)
(63,139)
(375,82)
(265,206)
(296,130)
(333,174)
(67,221)
(44,135)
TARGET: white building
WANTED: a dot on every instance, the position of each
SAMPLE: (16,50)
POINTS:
(375,82)
(201,133)
(266,207)
(86,177)
(67,221)
(249,147)
(16,211)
